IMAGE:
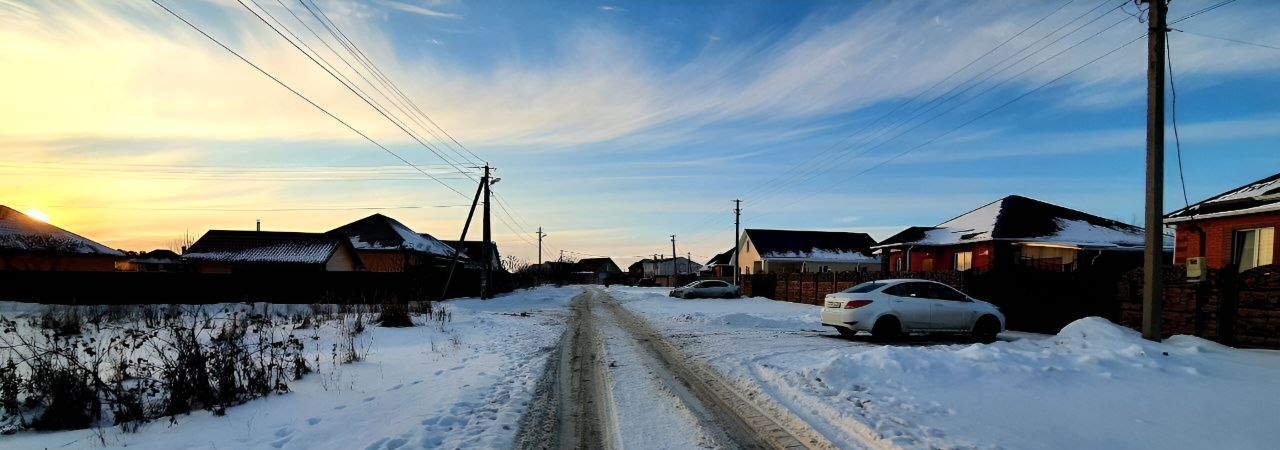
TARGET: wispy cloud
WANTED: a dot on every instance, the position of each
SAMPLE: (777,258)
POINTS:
(415,9)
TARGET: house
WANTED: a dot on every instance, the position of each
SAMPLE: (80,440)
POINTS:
(797,251)
(720,266)
(27,244)
(598,270)
(159,260)
(1237,227)
(472,252)
(386,245)
(666,267)
(233,251)
(1011,231)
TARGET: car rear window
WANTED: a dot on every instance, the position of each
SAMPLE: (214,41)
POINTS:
(864,288)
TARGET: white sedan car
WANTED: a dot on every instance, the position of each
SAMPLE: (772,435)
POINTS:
(889,308)
(706,289)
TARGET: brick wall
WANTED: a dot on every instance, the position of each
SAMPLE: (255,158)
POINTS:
(1233,308)
(1218,236)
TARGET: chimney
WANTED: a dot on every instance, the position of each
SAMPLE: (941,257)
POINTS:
(184,249)
(259,224)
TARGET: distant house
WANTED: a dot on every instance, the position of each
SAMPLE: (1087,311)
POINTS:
(795,251)
(228,251)
(159,260)
(472,252)
(386,245)
(1014,230)
(27,244)
(720,265)
(1236,227)
(598,270)
(666,267)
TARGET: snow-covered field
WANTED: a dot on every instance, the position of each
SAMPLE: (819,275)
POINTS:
(463,385)
(1093,385)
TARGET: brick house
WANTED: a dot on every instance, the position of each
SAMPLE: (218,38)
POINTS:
(1015,231)
(1237,227)
(27,244)
(234,251)
(386,245)
(798,251)
(719,266)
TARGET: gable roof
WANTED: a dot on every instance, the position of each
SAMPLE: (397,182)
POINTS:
(596,264)
(379,232)
(22,233)
(1024,219)
(1256,197)
(158,256)
(811,245)
(721,259)
(280,247)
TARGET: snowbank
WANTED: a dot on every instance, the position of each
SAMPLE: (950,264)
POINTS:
(754,312)
(460,385)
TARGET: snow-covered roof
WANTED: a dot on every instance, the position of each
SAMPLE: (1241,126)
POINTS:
(263,247)
(799,245)
(22,233)
(1253,198)
(1024,220)
(379,232)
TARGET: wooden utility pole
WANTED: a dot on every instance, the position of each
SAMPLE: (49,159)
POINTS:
(461,239)
(487,268)
(674,264)
(737,217)
(540,236)
(1153,256)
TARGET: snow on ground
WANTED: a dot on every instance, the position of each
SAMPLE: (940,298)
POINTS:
(1093,385)
(461,387)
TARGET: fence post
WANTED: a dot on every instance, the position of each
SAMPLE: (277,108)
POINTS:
(1229,290)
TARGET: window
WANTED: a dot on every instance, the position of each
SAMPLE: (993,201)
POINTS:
(943,292)
(911,289)
(714,284)
(1254,247)
(962,261)
(863,288)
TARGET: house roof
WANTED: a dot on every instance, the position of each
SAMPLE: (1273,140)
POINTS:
(22,233)
(472,249)
(721,259)
(596,264)
(379,232)
(1018,218)
(281,247)
(811,245)
(159,256)
(1256,197)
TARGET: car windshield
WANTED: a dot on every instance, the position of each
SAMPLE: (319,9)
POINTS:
(693,284)
(864,288)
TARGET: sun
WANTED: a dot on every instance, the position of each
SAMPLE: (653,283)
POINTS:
(38,215)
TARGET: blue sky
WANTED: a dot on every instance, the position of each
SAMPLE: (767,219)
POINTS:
(614,125)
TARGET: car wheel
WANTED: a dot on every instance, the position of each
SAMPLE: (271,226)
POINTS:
(986,329)
(886,328)
(847,333)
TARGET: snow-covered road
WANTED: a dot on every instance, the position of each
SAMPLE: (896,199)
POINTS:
(1094,385)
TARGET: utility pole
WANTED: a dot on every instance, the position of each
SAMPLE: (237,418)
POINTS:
(737,217)
(487,268)
(540,236)
(1153,256)
(674,263)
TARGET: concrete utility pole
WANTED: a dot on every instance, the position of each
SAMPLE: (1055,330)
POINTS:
(1153,256)
(675,268)
(737,217)
(487,268)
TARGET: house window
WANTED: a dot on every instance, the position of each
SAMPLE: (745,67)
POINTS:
(962,261)
(1254,247)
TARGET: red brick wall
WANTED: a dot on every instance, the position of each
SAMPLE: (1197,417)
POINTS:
(943,258)
(1218,235)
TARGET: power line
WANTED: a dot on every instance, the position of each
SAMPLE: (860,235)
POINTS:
(1203,10)
(303,97)
(1255,44)
(1173,90)
(341,79)
(216,209)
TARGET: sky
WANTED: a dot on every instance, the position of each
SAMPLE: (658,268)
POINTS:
(615,125)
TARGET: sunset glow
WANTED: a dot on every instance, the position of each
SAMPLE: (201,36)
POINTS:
(37,214)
